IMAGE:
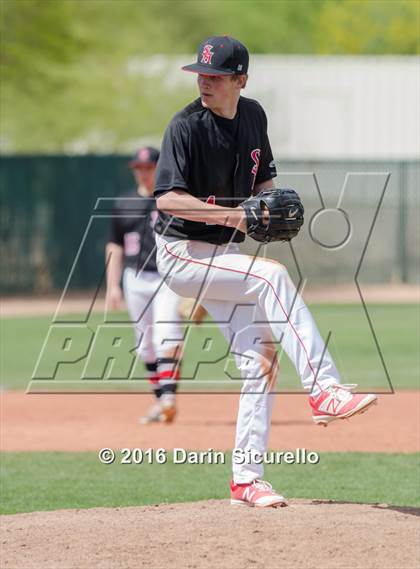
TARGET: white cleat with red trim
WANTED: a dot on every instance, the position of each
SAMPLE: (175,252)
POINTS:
(257,494)
(338,402)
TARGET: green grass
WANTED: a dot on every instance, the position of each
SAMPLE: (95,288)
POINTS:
(352,346)
(54,480)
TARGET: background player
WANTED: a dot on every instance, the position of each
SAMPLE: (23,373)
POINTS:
(215,153)
(152,306)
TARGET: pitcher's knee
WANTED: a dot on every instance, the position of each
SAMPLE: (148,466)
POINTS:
(274,273)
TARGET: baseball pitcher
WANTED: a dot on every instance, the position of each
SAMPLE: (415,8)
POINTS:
(214,184)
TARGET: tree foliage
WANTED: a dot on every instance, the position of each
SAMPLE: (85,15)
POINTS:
(64,77)
(373,27)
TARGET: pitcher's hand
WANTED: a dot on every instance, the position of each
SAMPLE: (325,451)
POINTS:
(114,298)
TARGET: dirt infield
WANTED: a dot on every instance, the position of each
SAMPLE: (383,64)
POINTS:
(339,293)
(203,535)
(49,422)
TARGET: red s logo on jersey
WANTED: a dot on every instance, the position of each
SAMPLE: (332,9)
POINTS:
(255,155)
(207,54)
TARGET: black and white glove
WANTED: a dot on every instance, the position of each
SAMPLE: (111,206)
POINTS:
(282,220)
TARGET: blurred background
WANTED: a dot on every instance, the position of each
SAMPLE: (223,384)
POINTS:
(85,83)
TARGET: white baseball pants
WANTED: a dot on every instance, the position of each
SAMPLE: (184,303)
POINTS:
(153,309)
(223,278)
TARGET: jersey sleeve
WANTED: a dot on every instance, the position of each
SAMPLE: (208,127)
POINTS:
(173,166)
(116,234)
(267,168)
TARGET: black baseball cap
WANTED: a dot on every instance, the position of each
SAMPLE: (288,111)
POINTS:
(220,55)
(145,156)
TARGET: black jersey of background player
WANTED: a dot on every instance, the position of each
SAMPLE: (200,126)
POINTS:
(215,159)
(132,227)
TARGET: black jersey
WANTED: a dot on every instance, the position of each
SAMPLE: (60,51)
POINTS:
(216,160)
(133,218)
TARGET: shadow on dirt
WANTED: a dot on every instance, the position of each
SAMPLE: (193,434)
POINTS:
(410,510)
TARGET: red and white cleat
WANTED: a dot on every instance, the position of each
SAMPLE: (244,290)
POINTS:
(338,402)
(258,494)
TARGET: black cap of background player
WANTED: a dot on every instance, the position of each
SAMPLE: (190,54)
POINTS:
(145,156)
(220,55)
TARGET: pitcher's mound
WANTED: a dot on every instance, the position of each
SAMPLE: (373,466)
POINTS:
(307,534)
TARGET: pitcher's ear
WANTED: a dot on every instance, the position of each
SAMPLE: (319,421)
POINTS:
(240,79)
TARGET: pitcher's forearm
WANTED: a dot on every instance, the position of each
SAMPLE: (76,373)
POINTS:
(181,204)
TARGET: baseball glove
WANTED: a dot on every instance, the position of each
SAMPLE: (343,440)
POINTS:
(274,215)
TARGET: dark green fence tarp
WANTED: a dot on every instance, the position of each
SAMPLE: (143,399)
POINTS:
(48,206)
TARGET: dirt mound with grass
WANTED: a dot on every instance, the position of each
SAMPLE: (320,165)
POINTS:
(306,534)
